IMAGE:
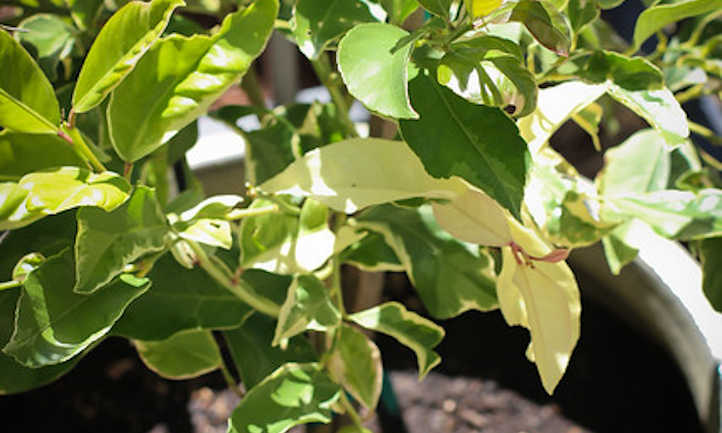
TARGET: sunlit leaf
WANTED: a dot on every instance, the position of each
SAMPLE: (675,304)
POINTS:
(185,355)
(656,17)
(355,363)
(315,242)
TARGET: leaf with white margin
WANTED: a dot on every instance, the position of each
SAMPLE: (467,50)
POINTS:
(52,191)
(307,306)
(268,241)
(205,222)
(353,174)
(544,298)
(555,105)
(315,241)
(659,108)
(417,333)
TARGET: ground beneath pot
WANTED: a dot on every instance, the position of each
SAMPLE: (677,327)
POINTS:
(438,404)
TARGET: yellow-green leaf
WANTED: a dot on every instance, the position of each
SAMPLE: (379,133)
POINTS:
(185,355)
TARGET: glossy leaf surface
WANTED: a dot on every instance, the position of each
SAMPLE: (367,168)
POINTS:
(294,394)
(419,334)
(373,74)
(108,241)
(656,17)
(27,99)
(54,323)
(435,261)
(355,363)
(185,355)
(357,173)
(21,154)
(178,79)
(457,138)
(53,191)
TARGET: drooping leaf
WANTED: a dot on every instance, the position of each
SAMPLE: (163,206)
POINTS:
(294,394)
(268,241)
(659,108)
(111,57)
(17,378)
(181,299)
(537,20)
(316,23)
(488,70)
(373,74)
(54,323)
(355,363)
(52,191)
(253,354)
(178,79)
(52,37)
(315,242)
(656,17)
(711,257)
(544,298)
(308,306)
(27,99)
(555,105)
(419,334)
(21,153)
(356,173)
(641,163)
(108,241)
(437,7)
(185,355)
(481,144)
(450,276)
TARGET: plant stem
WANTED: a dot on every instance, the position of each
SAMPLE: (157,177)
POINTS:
(253,89)
(351,410)
(237,214)
(10,284)
(705,132)
(691,93)
(82,148)
(230,380)
(237,287)
(330,79)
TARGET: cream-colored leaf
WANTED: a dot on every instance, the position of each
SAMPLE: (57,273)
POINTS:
(555,105)
(544,298)
(353,174)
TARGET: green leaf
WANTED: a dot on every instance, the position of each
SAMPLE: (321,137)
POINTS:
(373,74)
(673,214)
(308,306)
(205,222)
(556,105)
(581,13)
(450,276)
(630,73)
(640,164)
(609,4)
(108,241)
(179,78)
(316,23)
(269,150)
(84,12)
(253,354)
(372,254)
(419,334)
(52,191)
(27,99)
(181,299)
(17,378)
(52,38)
(185,355)
(356,173)
(355,363)
(659,108)
(622,244)
(399,10)
(54,324)
(112,57)
(480,144)
(294,394)
(537,20)
(268,241)
(22,153)
(437,7)
(656,17)
(711,257)
(488,70)
(315,242)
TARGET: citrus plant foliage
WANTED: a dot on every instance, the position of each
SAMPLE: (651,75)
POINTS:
(98,99)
